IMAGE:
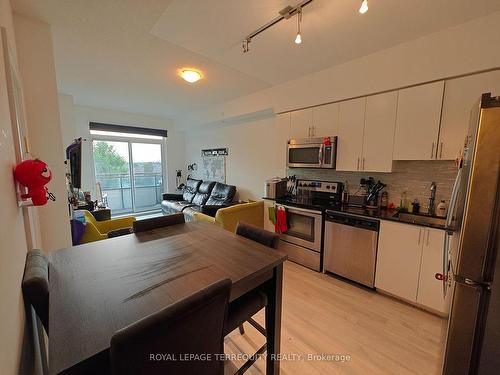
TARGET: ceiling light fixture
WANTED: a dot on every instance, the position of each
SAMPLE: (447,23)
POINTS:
(298,38)
(190,75)
(364,7)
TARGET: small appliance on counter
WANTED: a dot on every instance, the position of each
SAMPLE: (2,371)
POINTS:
(367,195)
(275,188)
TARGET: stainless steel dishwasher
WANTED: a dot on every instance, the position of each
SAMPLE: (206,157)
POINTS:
(350,246)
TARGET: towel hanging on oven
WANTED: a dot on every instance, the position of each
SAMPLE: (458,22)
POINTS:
(281,222)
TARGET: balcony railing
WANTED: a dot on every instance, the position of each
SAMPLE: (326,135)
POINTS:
(148,189)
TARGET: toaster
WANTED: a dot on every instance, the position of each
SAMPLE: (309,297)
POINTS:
(275,188)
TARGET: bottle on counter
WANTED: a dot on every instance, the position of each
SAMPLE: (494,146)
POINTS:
(415,207)
(345,194)
(384,199)
(441,209)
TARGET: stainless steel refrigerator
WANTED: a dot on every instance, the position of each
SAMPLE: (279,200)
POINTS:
(470,258)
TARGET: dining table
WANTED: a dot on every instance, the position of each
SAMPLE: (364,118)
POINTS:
(100,287)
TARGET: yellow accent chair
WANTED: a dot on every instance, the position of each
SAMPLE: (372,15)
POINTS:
(98,230)
(228,217)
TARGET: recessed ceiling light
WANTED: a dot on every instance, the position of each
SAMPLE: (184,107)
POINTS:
(190,75)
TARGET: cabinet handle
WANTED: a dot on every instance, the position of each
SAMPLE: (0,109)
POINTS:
(428,235)
(357,168)
(432,150)
(363,164)
(441,150)
(419,235)
(313,130)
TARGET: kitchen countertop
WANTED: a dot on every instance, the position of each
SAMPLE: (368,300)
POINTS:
(382,214)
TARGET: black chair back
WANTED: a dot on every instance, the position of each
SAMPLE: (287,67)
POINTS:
(158,222)
(257,234)
(192,326)
(35,284)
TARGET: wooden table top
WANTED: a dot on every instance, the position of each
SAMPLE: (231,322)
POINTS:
(100,287)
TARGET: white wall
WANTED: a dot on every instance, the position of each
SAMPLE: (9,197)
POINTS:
(37,69)
(12,236)
(75,123)
(251,158)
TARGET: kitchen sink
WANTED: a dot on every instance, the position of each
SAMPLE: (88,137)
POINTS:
(421,219)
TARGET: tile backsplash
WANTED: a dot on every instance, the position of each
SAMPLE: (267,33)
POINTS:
(412,177)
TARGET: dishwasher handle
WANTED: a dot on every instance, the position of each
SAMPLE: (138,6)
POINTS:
(353,221)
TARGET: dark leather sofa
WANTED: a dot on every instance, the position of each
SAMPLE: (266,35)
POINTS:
(199,196)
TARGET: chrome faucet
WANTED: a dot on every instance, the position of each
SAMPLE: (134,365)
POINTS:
(432,199)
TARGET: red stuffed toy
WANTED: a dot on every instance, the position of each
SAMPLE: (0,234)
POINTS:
(34,174)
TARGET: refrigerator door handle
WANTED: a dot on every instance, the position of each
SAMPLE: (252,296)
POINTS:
(453,200)
(445,263)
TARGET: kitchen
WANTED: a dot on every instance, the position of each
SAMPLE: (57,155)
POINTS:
(378,200)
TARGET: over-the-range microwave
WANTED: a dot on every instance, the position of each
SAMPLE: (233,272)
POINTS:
(320,152)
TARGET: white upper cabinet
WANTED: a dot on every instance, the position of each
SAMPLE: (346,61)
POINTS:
(378,137)
(430,290)
(460,95)
(350,142)
(417,122)
(301,123)
(282,136)
(326,120)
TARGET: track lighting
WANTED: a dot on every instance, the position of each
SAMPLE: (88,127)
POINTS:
(285,14)
(298,38)
(364,7)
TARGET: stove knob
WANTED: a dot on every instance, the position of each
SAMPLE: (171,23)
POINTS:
(328,186)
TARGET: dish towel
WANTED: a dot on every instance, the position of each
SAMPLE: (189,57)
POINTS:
(272,214)
(281,224)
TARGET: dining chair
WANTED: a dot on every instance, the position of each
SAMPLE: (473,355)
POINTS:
(158,222)
(183,338)
(35,285)
(245,307)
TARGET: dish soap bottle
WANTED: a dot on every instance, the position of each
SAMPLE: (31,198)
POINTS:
(441,209)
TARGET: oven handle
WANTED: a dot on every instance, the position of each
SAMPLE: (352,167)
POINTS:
(303,210)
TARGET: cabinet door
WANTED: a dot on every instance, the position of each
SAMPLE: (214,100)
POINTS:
(301,123)
(282,127)
(460,95)
(430,290)
(378,136)
(326,120)
(398,259)
(350,142)
(417,123)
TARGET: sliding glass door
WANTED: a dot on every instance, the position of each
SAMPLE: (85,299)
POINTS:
(130,172)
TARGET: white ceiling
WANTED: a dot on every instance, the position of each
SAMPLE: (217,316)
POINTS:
(124,54)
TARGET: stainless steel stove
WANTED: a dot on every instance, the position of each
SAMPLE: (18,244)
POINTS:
(303,239)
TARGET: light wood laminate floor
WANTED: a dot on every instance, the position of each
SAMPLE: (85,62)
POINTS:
(324,315)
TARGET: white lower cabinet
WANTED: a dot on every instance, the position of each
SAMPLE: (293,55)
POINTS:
(430,290)
(408,258)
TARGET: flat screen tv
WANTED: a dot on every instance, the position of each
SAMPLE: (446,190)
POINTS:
(74,156)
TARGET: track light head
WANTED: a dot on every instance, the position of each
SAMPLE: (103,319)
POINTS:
(298,38)
(364,7)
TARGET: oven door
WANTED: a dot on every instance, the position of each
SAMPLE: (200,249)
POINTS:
(304,155)
(304,228)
